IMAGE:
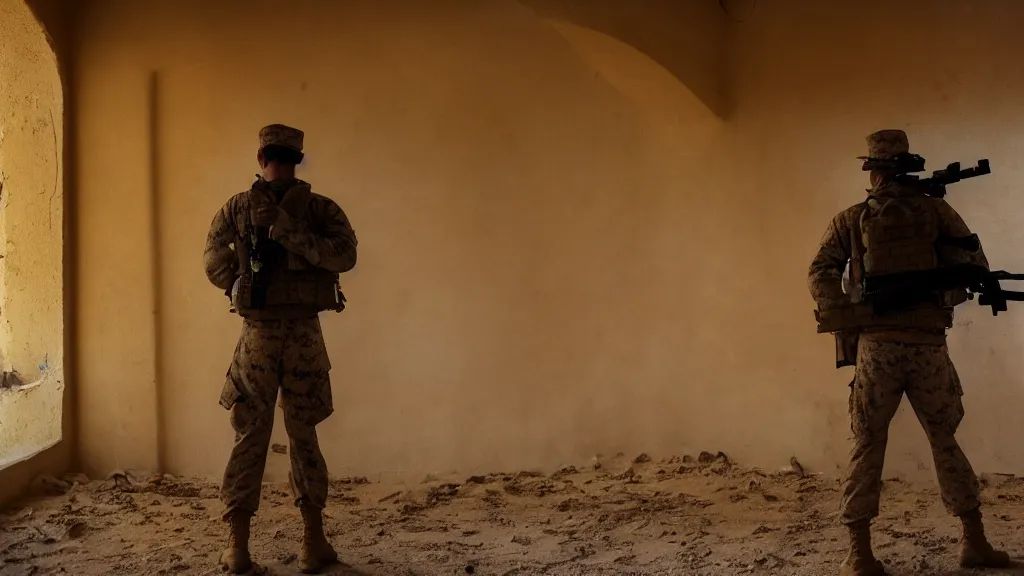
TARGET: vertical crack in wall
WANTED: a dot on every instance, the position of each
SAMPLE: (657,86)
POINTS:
(56,170)
(156,262)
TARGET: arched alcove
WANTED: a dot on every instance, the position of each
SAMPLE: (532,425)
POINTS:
(670,106)
(688,39)
(31,237)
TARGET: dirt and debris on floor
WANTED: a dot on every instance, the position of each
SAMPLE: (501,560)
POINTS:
(619,515)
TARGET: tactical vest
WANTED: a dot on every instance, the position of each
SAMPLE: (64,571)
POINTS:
(898,235)
(895,234)
(293,287)
(289,292)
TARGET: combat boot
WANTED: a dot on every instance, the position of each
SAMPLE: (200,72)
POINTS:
(861,561)
(317,553)
(975,550)
(235,559)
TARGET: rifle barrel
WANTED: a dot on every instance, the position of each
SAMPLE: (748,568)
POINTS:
(1000,275)
(1013,296)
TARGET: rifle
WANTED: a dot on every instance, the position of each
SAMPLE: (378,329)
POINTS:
(263,256)
(257,261)
(903,165)
(891,292)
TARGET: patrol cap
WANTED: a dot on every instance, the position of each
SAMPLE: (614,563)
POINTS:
(281,135)
(886,144)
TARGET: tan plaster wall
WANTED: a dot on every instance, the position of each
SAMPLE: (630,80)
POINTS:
(563,251)
(31,230)
(513,186)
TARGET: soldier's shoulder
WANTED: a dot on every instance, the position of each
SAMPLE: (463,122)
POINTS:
(321,199)
(939,203)
(325,204)
(237,201)
(847,216)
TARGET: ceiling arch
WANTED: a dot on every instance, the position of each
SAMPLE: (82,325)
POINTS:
(687,38)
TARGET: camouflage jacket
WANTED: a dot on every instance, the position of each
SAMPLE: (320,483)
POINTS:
(315,235)
(841,245)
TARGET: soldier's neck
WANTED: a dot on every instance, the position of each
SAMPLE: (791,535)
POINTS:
(282,176)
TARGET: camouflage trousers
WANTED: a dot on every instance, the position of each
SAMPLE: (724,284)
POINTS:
(885,371)
(272,356)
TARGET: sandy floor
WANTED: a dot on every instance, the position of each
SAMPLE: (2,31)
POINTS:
(613,516)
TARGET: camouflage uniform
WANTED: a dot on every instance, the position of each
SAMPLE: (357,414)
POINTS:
(893,361)
(281,347)
(924,372)
(289,355)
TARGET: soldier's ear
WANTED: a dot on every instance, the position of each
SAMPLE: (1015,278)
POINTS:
(259,158)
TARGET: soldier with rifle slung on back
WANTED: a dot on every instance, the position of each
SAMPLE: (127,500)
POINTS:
(899,348)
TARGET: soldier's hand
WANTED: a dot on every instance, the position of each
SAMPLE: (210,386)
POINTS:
(296,201)
(265,215)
